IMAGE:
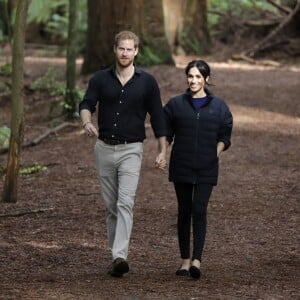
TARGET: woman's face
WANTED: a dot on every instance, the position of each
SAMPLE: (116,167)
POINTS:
(196,82)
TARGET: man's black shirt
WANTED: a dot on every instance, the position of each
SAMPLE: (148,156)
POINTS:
(122,110)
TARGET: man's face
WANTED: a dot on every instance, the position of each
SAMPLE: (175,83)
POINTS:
(125,53)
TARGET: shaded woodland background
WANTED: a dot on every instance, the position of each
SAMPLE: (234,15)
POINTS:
(53,238)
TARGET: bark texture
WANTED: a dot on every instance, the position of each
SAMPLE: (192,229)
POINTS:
(194,37)
(70,105)
(108,17)
(10,188)
(186,26)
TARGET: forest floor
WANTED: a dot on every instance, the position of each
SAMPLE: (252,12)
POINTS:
(53,240)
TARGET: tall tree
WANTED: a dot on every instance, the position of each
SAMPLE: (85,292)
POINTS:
(194,36)
(107,17)
(186,26)
(70,105)
(10,188)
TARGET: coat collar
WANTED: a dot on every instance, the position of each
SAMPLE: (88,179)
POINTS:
(209,94)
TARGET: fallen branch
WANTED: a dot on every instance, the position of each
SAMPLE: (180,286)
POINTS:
(25,212)
(263,62)
(48,132)
(280,7)
(264,43)
(217,12)
(262,23)
(37,140)
(243,57)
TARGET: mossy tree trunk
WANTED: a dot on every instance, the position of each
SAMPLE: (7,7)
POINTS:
(70,104)
(107,17)
(10,188)
(194,37)
(186,26)
(155,48)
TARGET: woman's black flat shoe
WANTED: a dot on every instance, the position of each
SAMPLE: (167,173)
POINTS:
(182,272)
(195,272)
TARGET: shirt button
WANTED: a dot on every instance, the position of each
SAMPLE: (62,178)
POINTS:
(112,135)
(122,91)
(120,101)
(118,113)
(115,125)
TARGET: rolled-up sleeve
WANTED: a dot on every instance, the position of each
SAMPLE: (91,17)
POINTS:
(91,96)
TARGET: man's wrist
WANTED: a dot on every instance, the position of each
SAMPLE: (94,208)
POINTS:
(85,123)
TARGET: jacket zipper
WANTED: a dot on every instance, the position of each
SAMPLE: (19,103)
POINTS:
(196,140)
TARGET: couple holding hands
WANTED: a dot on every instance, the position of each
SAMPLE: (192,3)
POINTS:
(196,125)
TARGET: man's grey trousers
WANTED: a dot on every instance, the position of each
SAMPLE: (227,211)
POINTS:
(118,168)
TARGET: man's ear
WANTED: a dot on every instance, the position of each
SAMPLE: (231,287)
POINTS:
(136,51)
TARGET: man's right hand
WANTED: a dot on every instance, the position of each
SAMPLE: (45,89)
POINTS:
(90,129)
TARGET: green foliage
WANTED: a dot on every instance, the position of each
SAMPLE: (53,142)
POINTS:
(192,44)
(58,25)
(4,136)
(6,69)
(148,57)
(3,37)
(71,101)
(49,83)
(233,7)
(41,11)
(54,16)
(6,21)
(32,169)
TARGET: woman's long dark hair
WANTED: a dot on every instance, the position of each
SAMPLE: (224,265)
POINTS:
(203,68)
(201,65)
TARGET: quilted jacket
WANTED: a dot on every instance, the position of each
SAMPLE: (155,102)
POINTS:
(195,135)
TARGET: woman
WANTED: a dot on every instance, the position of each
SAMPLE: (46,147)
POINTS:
(199,125)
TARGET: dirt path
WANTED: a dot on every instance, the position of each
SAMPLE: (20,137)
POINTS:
(251,250)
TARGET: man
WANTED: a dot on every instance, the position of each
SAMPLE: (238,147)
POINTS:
(124,94)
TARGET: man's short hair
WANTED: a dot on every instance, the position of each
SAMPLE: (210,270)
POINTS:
(127,35)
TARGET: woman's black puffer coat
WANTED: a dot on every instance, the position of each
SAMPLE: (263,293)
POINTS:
(195,135)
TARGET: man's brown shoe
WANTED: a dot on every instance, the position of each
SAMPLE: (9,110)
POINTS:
(119,267)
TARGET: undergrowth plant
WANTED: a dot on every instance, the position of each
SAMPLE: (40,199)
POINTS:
(49,83)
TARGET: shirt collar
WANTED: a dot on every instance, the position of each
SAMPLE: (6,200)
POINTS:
(137,70)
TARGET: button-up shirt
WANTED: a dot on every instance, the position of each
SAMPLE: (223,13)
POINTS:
(122,110)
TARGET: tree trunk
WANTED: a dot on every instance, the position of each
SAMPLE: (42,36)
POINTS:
(154,48)
(194,37)
(108,17)
(173,15)
(70,106)
(100,33)
(10,188)
(186,26)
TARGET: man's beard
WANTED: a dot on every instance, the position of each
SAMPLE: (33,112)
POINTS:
(124,62)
